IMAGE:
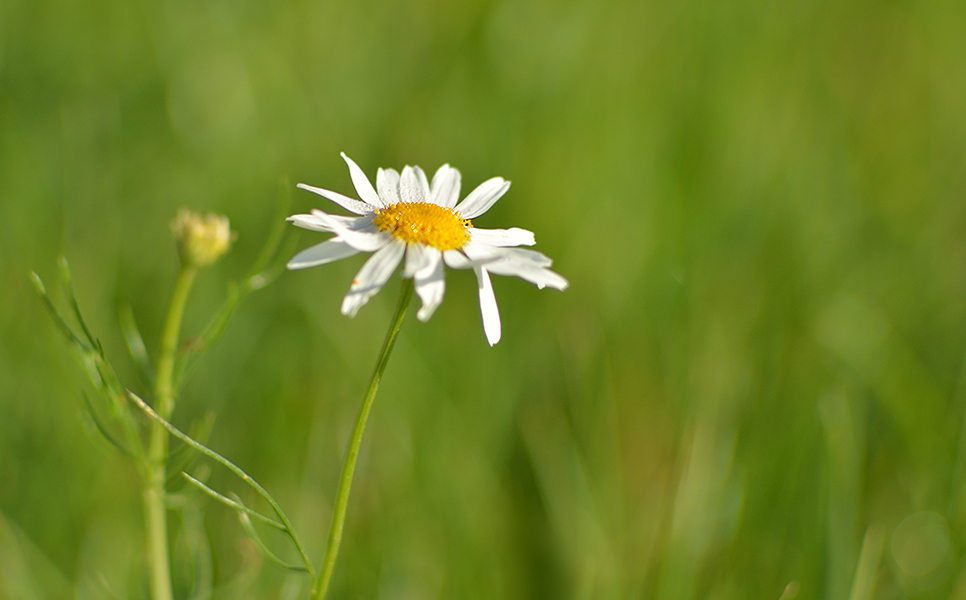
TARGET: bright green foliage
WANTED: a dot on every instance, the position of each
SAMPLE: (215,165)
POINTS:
(756,374)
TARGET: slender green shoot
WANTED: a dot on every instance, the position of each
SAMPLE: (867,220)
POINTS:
(867,570)
(135,344)
(246,522)
(269,265)
(101,428)
(355,441)
(288,529)
(233,504)
(90,356)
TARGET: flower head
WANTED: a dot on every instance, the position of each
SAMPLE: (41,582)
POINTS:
(202,239)
(406,216)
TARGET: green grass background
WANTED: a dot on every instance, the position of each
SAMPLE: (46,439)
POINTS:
(760,206)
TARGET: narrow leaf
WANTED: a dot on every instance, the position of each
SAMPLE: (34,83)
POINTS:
(95,422)
(237,505)
(181,458)
(56,316)
(269,265)
(135,344)
(289,530)
(69,290)
(266,552)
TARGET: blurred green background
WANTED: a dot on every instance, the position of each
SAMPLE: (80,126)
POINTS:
(761,208)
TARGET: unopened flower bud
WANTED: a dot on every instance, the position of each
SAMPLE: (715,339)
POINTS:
(202,239)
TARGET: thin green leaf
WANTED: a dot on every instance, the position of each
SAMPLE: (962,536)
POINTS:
(59,321)
(199,552)
(135,344)
(91,358)
(106,588)
(269,250)
(95,422)
(277,267)
(218,325)
(265,269)
(69,290)
(269,265)
(266,552)
(180,459)
(289,530)
(867,570)
(237,505)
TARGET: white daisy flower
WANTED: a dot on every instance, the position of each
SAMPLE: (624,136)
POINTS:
(407,216)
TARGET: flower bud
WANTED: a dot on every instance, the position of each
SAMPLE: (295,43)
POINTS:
(202,239)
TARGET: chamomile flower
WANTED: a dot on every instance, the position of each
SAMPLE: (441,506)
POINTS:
(407,217)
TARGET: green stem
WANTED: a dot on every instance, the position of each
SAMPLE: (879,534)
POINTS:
(155,512)
(352,452)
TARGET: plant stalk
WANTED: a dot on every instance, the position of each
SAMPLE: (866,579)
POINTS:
(155,510)
(352,452)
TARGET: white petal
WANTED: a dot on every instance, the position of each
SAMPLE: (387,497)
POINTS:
(522,264)
(410,187)
(482,198)
(418,257)
(387,182)
(350,204)
(372,277)
(313,222)
(481,253)
(445,190)
(430,285)
(473,254)
(365,190)
(320,254)
(423,183)
(354,223)
(503,237)
(488,308)
(322,221)
(357,232)
(533,257)
(364,241)
(540,277)
(456,260)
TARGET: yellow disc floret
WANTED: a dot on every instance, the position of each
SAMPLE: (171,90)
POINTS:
(424,223)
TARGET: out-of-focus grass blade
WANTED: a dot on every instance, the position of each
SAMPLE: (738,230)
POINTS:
(270,249)
(105,588)
(25,572)
(867,571)
(198,553)
(844,446)
(135,344)
(791,591)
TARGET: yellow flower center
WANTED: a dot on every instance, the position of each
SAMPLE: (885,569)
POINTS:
(424,223)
